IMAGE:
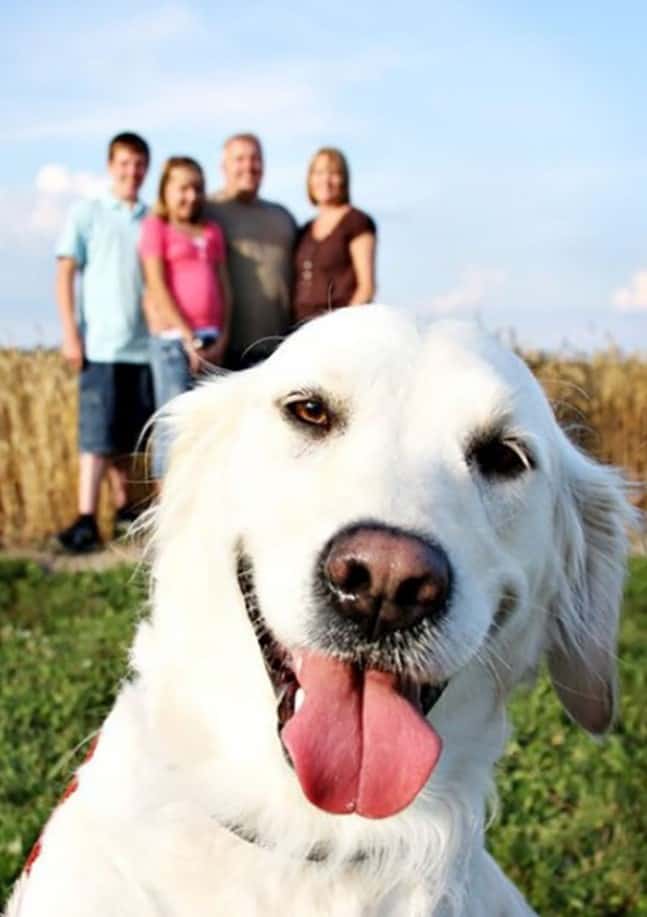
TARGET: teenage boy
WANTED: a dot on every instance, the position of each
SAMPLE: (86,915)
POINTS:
(107,342)
(260,238)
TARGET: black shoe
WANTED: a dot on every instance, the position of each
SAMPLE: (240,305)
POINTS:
(81,537)
(124,518)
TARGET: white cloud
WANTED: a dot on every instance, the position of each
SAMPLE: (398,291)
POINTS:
(46,217)
(472,289)
(633,297)
(43,205)
(57,179)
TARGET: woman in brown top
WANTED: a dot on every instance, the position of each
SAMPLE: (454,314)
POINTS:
(334,258)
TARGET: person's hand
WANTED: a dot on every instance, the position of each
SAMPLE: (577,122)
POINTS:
(194,356)
(215,353)
(72,349)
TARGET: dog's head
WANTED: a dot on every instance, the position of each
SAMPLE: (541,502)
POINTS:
(367,540)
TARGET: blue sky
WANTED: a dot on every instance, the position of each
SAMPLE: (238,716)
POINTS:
(501,147)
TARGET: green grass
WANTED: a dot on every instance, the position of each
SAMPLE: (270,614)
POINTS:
(572,827)
(63,650)
(572,831)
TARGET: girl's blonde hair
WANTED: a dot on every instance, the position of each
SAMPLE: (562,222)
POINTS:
(179,162)
(338,161)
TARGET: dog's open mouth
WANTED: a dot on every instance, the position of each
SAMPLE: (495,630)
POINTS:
(357,737)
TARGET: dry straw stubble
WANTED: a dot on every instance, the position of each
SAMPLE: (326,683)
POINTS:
(38,447)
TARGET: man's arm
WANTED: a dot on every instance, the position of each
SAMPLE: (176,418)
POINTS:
(72,346)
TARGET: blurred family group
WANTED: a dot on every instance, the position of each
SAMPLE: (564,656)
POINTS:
(198,280)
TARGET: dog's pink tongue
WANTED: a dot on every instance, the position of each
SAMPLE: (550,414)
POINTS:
(356,744)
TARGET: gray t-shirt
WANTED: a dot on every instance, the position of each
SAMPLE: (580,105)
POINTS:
(260,239)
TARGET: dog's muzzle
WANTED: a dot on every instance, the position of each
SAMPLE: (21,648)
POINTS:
(384,580)
(353,726)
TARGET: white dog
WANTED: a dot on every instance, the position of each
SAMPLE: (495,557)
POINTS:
(362,546)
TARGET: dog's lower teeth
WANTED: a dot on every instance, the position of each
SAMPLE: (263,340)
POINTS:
(299,698)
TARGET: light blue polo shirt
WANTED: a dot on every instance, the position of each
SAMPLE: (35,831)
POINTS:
(102,235)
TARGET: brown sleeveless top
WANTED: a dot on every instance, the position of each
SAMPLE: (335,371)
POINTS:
(324,277)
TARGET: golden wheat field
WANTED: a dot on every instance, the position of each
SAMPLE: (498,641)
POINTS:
(38,448)
(602,402)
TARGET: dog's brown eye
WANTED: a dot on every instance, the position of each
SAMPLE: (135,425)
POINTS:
(497,457)
(311,411)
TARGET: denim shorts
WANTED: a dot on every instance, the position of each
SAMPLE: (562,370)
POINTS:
(171,377)
(115,403)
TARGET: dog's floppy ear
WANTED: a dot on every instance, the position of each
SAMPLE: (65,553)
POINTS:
(592,516)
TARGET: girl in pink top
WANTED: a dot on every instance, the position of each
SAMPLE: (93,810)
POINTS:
(184,265)
(187,299)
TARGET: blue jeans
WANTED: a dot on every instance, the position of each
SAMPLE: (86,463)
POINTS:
(171,377)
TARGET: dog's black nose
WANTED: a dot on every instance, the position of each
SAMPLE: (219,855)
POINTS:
(386,580)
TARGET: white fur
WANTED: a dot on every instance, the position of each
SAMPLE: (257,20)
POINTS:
(192,741)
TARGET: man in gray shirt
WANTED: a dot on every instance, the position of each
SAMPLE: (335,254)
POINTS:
(260,238)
